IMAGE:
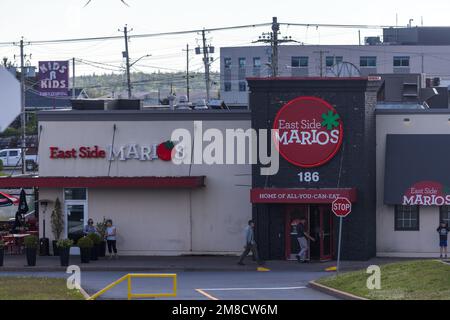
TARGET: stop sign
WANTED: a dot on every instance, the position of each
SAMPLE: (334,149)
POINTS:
(341,207)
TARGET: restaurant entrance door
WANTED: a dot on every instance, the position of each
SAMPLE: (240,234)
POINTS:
(319,225)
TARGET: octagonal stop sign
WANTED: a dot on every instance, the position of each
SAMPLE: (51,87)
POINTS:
(341,207)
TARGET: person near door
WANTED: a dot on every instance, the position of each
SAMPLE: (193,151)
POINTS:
(302,237)
(89,228)
(111,233)
(443,231)
(250,244)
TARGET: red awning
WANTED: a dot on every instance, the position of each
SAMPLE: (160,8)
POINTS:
(7,199)
(273,195)
(103,182)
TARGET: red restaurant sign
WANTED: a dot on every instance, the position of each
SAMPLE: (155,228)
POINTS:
(301,195)
(309,132)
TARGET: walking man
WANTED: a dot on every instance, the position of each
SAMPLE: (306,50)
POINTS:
(302,237)
(250,244)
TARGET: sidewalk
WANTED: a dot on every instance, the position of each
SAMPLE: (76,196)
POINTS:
(181,263)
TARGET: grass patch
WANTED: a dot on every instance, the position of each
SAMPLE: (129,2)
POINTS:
(413,280)
(32,288)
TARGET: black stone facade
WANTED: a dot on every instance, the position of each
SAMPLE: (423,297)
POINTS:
(352,167)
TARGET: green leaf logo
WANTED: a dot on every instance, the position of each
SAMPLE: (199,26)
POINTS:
(330,120)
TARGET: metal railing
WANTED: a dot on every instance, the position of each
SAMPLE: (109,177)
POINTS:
(131,295)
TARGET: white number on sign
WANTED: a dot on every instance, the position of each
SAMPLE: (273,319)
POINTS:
(309,177)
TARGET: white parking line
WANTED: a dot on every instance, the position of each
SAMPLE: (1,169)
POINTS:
(243,289)
(211,297)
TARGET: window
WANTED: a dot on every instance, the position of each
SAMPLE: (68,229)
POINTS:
(401,61)
(14,153)
(75,194)
(368,61)
(3,154)
(242,62)
(406,218)
(299,62)
(444,214)
(227,86)
(242,86)
(256,62)
(227,62)
(332,60)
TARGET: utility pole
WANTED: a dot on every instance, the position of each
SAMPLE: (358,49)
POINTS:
(321,52)
(22,105)
(274,41)
(73,78)
(275,31)
(126,55)
(206,61)
(187,72)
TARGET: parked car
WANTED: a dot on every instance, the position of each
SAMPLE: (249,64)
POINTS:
(201,105)
(13,158)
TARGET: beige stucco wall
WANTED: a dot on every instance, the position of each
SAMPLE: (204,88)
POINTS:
(422,243)
(154,222)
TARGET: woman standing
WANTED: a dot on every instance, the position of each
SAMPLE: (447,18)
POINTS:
(111,233)
(89,228)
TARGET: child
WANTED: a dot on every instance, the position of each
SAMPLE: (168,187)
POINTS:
(111,232)
(443,235)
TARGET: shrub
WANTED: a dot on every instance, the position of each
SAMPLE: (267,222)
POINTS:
(31,242)
(96,239)
(101,228)
(85,242)
(57,220)
(64,243)
(1,165)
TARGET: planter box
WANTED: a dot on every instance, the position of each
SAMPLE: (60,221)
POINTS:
(31,254)
(64,256)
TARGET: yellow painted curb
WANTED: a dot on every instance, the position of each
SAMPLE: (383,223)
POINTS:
(262,269)
(331,269)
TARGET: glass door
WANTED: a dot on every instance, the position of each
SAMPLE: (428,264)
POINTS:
(76,215)
(293,215)
(326,233)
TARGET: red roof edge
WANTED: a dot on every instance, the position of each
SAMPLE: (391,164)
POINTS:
(189,182)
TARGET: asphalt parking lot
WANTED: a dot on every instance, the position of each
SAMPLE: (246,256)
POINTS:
(233,285)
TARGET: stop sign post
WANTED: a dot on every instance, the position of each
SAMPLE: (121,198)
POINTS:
(341,207)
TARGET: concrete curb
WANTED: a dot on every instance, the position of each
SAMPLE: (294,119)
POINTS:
(334,292)
(127,269)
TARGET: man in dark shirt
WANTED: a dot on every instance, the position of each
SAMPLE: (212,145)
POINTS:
(302,236)
(443,236)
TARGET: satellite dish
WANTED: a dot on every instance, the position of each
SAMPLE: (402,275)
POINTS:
(343,70)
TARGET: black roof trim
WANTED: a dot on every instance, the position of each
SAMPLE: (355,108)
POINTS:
(143,115)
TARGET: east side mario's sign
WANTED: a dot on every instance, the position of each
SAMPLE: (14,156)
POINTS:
(308,132)
(163,151)
(427,193)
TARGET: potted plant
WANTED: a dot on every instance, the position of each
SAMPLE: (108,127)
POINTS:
(96,242)
(101,229)
(57,223)
(31,245)
(85,245)
(64,251)
(2,252)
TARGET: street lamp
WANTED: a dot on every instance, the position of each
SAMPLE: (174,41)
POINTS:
(146,56)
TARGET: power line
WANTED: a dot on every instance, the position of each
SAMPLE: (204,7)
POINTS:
(193,31)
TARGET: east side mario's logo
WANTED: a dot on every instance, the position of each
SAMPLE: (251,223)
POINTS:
(308,132)
(163,151)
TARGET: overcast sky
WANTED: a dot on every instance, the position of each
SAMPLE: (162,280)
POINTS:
(60,19)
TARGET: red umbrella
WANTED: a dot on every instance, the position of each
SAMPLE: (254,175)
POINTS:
(7,200)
